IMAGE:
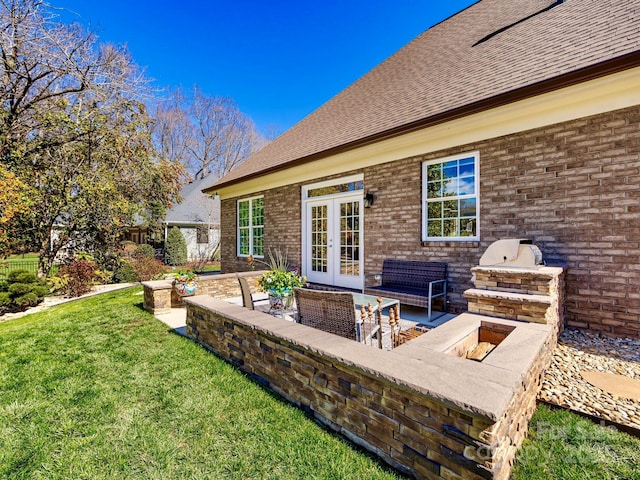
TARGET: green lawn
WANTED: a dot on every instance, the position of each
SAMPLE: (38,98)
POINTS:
(562,445)
(100,389)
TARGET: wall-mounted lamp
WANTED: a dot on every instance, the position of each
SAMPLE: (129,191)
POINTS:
(368,199)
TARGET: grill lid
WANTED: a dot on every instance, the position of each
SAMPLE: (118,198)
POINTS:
(514,252)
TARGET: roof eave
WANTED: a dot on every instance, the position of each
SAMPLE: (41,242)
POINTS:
(585,74)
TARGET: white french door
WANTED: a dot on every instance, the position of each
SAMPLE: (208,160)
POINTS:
(333,241)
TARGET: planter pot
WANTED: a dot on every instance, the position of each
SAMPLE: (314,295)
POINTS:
(280,301)
(185,289)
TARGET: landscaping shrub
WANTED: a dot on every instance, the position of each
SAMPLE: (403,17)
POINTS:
(146,250)
(140,268)
(175,248)
(80,275)
(125,272)
(21,290)
(147,268)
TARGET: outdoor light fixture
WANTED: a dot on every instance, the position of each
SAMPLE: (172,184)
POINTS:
(368,199)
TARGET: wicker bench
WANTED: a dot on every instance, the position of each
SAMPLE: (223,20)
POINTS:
(411,282)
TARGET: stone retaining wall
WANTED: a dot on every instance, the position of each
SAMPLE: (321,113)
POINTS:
(160,296)
(427,413)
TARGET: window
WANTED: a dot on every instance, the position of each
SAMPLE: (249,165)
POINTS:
(251,227)
(202,234)
(450,198)
(332,189)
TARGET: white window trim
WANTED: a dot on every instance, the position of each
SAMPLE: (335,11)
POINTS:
(425,164)
(251,226)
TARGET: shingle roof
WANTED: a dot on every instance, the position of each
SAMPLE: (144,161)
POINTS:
(196,207)
(441,71)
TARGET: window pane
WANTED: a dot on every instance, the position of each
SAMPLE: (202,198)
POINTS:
(202,234)
(467,186)
(450,187)
(467,167)
(258,212)
(434,189)
(450,169)
(435,228)
(434,210)
(450,228)
(450,208)
(244,242)
(468,227)
(468,207)
(333,189)
(243,214)
(434,172)
(258,241)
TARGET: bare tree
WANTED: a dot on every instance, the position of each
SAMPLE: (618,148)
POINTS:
(210,135)
(225,136)
(43,62)
(173,129)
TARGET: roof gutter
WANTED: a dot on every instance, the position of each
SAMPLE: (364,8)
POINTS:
(602,69)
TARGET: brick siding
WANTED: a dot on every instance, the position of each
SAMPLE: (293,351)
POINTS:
(572,188)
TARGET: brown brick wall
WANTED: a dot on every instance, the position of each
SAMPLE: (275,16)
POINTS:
(572,188)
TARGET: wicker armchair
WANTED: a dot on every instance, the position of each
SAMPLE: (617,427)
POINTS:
(332,312)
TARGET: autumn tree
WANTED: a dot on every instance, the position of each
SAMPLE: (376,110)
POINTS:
(14,202)
(75,129)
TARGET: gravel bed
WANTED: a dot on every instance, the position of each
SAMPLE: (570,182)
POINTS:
(578,351)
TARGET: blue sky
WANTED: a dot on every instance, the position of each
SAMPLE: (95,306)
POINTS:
(278,60)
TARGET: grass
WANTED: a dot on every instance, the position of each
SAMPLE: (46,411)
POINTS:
(100,389)
(562,445)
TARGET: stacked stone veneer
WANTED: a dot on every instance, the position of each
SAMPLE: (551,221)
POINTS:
(425,412)
(160,296)
(531,295)
(573,188)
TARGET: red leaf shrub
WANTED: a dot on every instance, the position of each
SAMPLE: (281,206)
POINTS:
(147,268)
(79,276)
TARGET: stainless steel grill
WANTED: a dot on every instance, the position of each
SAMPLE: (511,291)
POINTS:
(512,252)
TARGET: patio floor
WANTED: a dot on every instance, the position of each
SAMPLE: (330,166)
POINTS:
(410,317)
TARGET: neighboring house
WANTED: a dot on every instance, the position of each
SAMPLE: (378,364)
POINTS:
(138,233)
(198,218)
(510,119)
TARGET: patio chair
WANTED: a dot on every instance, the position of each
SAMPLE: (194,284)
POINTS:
(332,312)
(247,297)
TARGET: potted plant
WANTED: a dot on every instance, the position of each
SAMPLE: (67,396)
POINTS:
(278,282)
(184,282)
